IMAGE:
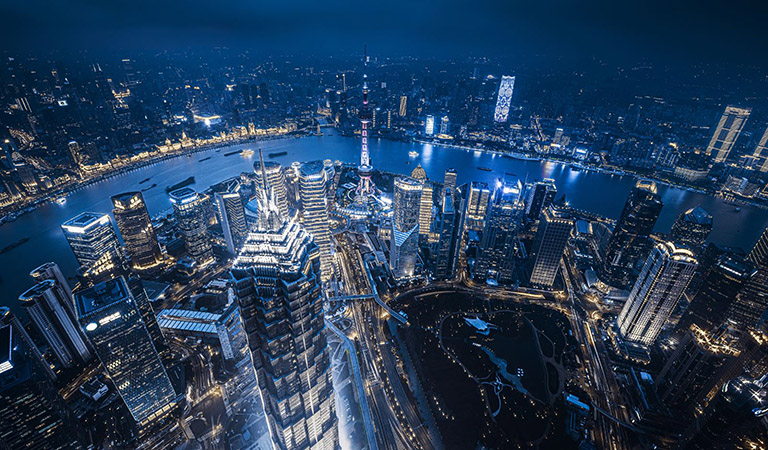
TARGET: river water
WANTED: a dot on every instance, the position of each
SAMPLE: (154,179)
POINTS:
(588,190)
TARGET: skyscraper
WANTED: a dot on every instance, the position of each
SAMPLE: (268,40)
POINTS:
(476,205)
(135,227)
(449,219)
(275,176)
(50,309)
(429,126)
(405,227)
(759,253)
(314,212)
(366,188)
(549,246)
(496,259)
(403,105)
(189,210)
(445,125)
(629,240)
(727,132)
(654,295)
(8,318)
(34,416)
(94,242)
(276,279)
(426,203)
(51,271)
(504,99)
(540,196)
(231,214)
(692,228)
(109,315)
(759,158)
(449,180)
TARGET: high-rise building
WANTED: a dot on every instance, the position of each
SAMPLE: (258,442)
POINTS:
(34,416)
(429,126)
(51,271)
(496,259)
(476,205)
(50,309)
(549,246)
(692,228)
(504,99)
(654,295)
(448,228)
(314,211)
(275,176)
(629,240)
(445,125)
(330,175)
(759,253)
(540,196)
(109,316)
(75,153)
(231,212)
(403,105)
(276,279)
(426,203)
(403,252)
(760,154)
(449,180)
(8,318)
(189,210)
(365,170)
(727,132)
(135,227)
(94,242)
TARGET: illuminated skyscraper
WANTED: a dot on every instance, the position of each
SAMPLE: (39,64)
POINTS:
(664,277)
(540,196)
(366,188)
(231,214)
(629,240)
(190,215)
(759,253)
(449,180)
(276,179)
(51,271)
(426,203)
(549,246)
(760,154)
(504,99)
(445,125)
(403,105)
(692,228)
(405,227)
(727,132)
(94,242)
(314,211)
(109,316)
(476,205)
(276,279)
(50,309)
(496,259)
(135,227)
(8,318)
(449,220)
(429,127)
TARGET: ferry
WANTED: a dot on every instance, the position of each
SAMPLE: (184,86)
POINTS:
(276,154)
(247,152)
(413,153)
(485,169)
(61,200)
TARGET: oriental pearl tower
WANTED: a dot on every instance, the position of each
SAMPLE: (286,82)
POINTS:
(366,188)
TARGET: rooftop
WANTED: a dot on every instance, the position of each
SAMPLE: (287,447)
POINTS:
(100,295)
(84,221)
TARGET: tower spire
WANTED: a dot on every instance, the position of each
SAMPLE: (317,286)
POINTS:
(268,213)
(365,188)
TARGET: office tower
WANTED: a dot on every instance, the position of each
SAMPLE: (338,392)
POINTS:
(109,315)
(629,240)
(403,105)
(722,284)
(727,132)
(275,176)
(692,228)
(365,170)
(654,295)
(50,309)
(504,99)
(135,227)
(476,205)
(74,153)
(51,271)
(94,242)
(8,318)
(189,210)
(276,279)
(736,419)
(760,154)
(141,300)
(695,370)
(330,175)
(314,211)
(445,125)
(549,246)
(425,205)
(496,259)
(231,214)
(405,226)
(33,414)
(540,196)
(448,240)
(449,180)
(759,253)
(429,127)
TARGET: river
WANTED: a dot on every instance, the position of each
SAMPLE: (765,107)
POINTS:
(588,190)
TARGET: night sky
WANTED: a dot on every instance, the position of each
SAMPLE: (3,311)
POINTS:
(680,31)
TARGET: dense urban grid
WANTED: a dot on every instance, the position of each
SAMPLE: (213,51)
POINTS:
(324,304)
